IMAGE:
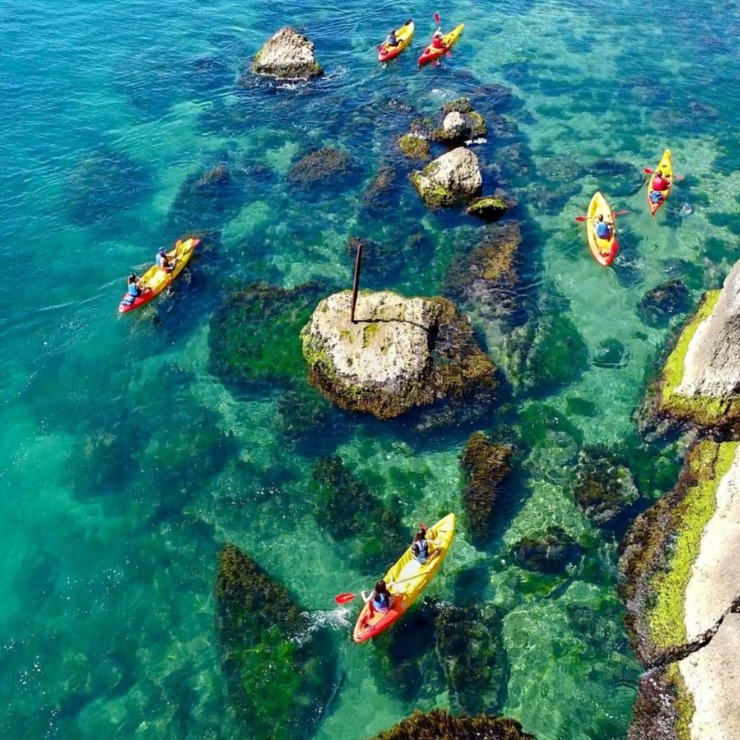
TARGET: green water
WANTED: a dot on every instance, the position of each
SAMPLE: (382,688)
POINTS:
(125,464)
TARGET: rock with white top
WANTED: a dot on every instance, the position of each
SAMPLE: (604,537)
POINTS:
(287,55)
(453,178)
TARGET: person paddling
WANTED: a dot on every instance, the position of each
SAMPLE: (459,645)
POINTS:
(134,285)
(658,186)
(438,39)
(603,231)
(163,261)
(379,599)
(392,40)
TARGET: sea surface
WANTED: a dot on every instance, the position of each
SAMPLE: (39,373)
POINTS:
(117,442)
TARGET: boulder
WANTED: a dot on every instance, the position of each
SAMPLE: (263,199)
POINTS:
(664,301)
(288,55)
(453,178)
(414,146)
(441,725)
(699,384)
(399,354)
(460,123)
(491,207)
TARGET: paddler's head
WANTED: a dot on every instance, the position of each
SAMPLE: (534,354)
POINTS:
(380,586)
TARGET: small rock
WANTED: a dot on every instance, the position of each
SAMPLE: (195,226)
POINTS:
(287,55)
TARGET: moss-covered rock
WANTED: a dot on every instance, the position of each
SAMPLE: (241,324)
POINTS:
(610,353)
(549,552)
(344,506)
(325,166)
(485,466)
(603,485)
(461,123)
(279,668)
(205,201)
(658,305)
(471,652)
(491,207)
(401,353)
(254,333)
(660,548)
(415,147)
(441,725)
(453,178)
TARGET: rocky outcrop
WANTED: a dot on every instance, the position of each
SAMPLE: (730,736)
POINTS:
(678,566)
(453,178)
(461,123)
(287,55)
(699,384)
(441,725)
(414,146)
(491,207)
(400,353)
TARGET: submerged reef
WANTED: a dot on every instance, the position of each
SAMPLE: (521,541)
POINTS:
(254,332)
(549,552)
(280,669)
(325,166)
(491,207)
(287,55)
(658,305)
(485,466)
(441,725)
(471,652)
(400,353)
(344,507)
(603,485)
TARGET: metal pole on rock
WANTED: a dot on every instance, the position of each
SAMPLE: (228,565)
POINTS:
(356,285)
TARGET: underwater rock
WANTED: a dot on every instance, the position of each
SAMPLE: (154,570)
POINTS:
(415,147)
(103,185)
(549,552)
(666,300)
(379,193)
(253,334)
(558,354)
(204,201)
(279,667)
(485,466)
(400,353)
(287,55)
(603,485)
(610,353)
(303,414)
(491,207)
(700,381)
(323,166)
(404,665)
(453,178)
(379,261)
(344,507)
(470,649)
(441,725)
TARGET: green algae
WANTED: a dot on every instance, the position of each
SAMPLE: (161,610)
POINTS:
(414,147)
(684,702)
(707,465)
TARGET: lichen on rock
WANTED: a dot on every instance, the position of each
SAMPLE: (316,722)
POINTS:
(287,55)
(401,353)
(279,668)
(485,465)
(453,178)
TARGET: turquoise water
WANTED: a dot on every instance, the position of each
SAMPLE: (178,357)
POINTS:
(125,464)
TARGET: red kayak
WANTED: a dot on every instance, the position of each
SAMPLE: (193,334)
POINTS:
(432,53)
(403,37)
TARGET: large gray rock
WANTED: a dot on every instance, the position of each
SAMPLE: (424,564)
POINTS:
(453,178)
(400,353)
(287,55)
(712,363)
(712,676)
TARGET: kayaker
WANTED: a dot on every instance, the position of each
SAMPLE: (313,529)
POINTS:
(603,231)
(379,599)
(392,40)
(420,547)
(437,39)
(660,183)
(163,261)
(135,285)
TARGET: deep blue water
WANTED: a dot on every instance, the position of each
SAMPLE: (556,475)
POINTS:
(126,464)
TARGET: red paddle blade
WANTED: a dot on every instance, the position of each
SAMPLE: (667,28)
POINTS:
(437,18)
(647,170)
(448,55)
(344,598)
(620,213)
(581,219)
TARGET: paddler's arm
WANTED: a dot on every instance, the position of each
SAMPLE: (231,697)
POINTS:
(366,596)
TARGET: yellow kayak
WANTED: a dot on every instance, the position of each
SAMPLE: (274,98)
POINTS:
(603,250)
(155,280)
(403,36)
(406,580)
(431,53)
(656,198)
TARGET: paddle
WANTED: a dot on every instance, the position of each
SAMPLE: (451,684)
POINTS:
(438,21)
(648,171)
(581,219)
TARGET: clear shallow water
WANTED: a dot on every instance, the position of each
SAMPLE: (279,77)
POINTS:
(107,620)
